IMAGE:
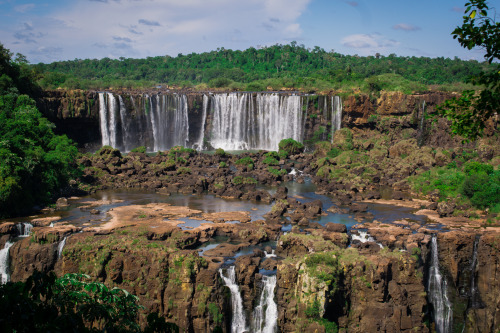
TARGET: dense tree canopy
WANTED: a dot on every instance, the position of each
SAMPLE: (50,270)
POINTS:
(289,66)
(34,162)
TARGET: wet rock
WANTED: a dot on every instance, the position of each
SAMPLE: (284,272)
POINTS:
(336,227)
(8,228)
(281,193)
(358,208)
(61,202)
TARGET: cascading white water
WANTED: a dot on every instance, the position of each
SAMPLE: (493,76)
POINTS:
(336,114)
(363,237)
(4,262)
(199,144)
(437,289)
(24,229)
(265,316)
(238,323)
(270,255)
(103,118)
(60,247)
(240,124)
(161,124)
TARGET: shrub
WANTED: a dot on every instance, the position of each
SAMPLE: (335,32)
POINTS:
(140,149)
(271,158)
(222,165)
(244,161)
(220,152)
(291,147)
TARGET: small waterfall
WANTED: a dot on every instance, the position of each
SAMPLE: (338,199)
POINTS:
(24,229)
(4,262)
(336,114)
(60,247)
(238,323)
(475,301)
(270,255)
(265,317)
(437,289)
(240,124)
(364,237)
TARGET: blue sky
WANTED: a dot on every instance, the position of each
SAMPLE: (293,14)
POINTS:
(47,31)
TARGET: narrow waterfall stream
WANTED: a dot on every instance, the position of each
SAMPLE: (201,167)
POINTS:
(4,262)
(238,323)
(336,114)
(265,316)
(60,247)
(437,289)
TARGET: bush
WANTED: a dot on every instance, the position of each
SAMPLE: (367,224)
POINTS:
(245,161)
(271,158)
(482,189)
(220,152)
(140,149)
(291,147)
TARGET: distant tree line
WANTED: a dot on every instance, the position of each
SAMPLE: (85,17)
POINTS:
(288,66)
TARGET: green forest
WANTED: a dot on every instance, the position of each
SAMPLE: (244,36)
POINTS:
(290,66)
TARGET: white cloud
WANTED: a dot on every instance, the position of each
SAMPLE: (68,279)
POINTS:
(368,43)
(131,28)
(405,27)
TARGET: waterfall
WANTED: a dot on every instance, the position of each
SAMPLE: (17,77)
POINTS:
(475,300)
(199,145)
(240,124)
(4,263)
(238,323)
(161,124)
(336,114)
(60,247)
(103,118)
(265,315)
(437,288)
(270,255)
(24,229)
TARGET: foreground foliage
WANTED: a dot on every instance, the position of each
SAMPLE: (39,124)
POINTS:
(470,112)
(34,162)
(45,303)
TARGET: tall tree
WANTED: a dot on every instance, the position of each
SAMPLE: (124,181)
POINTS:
(471,111)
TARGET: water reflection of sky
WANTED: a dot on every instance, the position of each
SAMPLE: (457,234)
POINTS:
(208,203)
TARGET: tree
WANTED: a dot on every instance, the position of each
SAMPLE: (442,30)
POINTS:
(470,112)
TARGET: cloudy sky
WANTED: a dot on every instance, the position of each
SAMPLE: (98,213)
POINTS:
(51,30)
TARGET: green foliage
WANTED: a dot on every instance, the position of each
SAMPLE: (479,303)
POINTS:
(277,66)
(478,182)
(291,147)
(334,152)
(222,165)
(215,313)
(271,158)
(483,189)
(220,152)
(245,161)
(140,149)
(67,304)
(238,180)
(183,170)
(313,310)
(277,172)
(34,162)
(469,113)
